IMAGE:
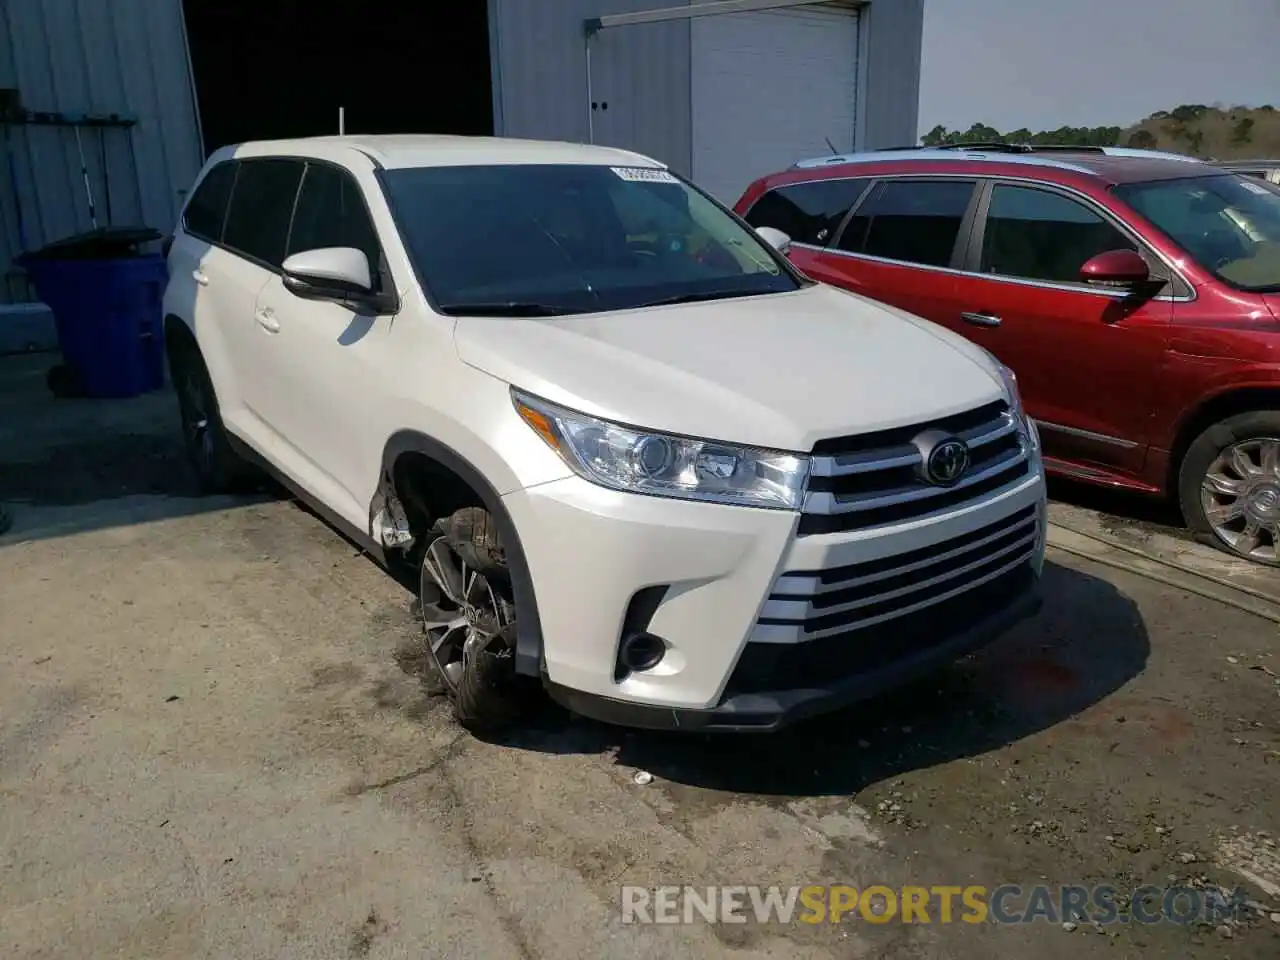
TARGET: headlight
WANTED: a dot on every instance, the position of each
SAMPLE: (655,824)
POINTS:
(1011,390)
(642,461)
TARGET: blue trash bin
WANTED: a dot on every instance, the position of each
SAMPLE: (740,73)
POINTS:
(106,302)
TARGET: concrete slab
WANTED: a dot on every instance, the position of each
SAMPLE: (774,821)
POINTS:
(209,749)
(1170,546)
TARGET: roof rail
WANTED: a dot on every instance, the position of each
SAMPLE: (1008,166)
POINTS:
(1000,146)
(992,146)
(1065,148)
(1025,151)
(1141,153)
(931,153)
(987,146)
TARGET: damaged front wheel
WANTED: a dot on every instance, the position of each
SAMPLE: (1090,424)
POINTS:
(469,616)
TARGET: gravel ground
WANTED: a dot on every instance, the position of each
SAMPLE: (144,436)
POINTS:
(208,749)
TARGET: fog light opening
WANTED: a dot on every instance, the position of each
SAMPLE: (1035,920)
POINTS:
(641,652)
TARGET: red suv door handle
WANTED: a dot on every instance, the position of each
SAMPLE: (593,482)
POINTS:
(981,319)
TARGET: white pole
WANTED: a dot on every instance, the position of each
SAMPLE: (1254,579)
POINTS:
(84,174)
(591,107)
(342,121)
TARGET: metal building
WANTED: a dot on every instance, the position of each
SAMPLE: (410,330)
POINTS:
(722,91)
(104,81)
(103,92)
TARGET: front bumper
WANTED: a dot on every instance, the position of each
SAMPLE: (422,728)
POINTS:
(768,711)
(762,626)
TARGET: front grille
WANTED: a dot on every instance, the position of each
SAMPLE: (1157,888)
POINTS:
(804,604)
(771,667)
(875,479)
(820,626)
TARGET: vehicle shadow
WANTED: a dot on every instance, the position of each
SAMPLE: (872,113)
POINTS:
(1121,506)
(73,465)
(1087,642)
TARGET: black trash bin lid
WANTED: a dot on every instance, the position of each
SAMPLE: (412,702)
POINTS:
(105,243)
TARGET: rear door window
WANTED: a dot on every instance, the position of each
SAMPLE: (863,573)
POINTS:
(916,221)
(1040,235)
(261,207)
(331,212)
(207,208)
(807,212)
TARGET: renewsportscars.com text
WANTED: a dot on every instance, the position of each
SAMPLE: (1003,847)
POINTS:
(972,904)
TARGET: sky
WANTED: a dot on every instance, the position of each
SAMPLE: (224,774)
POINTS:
(1043,64)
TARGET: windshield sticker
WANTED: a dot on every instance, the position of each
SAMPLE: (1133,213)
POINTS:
(644,175)
(1255,188)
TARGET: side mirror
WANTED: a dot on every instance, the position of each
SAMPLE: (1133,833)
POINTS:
(330,273)
(1118,269)
(774,238)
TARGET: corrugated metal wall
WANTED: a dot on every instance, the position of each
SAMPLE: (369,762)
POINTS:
(894,31)
(641,72)
(95,56)
(130,56)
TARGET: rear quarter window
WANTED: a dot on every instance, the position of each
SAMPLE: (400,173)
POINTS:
(807,212)
(207,209)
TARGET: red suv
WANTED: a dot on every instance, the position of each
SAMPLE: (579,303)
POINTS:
(1135,294)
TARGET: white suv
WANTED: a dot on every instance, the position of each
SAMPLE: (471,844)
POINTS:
(627,448)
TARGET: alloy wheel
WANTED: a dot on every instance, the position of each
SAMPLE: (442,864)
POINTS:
(462,614)
(1240,495)
(195,420)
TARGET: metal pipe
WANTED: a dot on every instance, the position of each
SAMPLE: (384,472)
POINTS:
(591,105)
(84,174)
(201,149)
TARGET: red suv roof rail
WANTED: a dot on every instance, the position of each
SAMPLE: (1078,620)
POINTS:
(999,146)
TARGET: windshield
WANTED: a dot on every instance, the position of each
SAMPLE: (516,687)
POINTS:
(543,240)
(1229,223)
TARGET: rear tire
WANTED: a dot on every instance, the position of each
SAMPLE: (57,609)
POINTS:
(217,467)
(63,382)
(1229,486)
(468,613)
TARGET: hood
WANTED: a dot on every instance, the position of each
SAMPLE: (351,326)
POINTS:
(780,371)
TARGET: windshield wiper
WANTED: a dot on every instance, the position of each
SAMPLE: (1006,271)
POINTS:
(502,308)
(696,297)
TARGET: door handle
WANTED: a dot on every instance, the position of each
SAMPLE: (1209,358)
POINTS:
(267,321)
(981,319)
(200,277)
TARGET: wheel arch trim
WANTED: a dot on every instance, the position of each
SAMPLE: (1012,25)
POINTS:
(1226,402)
(529,645)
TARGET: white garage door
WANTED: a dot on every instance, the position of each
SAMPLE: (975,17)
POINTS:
(770,88)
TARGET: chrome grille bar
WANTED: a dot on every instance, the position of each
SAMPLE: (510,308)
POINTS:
(878,478)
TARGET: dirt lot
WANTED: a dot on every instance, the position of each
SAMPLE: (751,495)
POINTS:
(207,749)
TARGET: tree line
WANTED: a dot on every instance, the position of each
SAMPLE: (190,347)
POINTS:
(1192,128)
(982,133)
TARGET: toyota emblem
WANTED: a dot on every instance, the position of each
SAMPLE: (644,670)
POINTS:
(946,462)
